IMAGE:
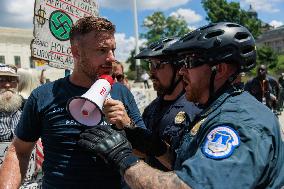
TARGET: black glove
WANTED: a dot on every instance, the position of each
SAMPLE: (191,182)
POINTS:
(109,144)
(146,141)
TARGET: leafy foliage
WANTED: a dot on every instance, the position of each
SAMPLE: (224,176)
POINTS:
(158,26)
(222,11)
(266,56)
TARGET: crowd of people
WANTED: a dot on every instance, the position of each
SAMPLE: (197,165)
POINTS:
(205,129)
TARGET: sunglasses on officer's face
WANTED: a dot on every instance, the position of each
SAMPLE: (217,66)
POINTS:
(156,64)
(118,77)
(191,61)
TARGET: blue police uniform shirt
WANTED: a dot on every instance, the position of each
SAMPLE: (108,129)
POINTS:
(167,119)
(238,145)
(66,165)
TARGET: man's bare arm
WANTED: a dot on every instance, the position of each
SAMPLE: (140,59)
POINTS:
(14,167)
(142,175)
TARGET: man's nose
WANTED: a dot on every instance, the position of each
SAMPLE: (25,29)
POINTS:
(111,56)
(7,84)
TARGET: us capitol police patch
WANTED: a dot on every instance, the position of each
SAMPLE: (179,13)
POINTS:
(220,142)
(180,117)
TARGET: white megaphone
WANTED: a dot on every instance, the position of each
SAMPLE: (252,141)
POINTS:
(87,109)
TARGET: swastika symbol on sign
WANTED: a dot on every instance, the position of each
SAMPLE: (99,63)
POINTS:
(60,25)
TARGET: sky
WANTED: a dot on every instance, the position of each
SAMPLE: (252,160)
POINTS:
(19,14)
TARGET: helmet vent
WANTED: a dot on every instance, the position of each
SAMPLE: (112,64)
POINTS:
(242,36)
(158,47)
(214,34)
(188,37)
(231,25)
(206,27)
(247,49)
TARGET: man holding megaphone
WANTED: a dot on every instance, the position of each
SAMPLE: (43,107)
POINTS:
(49,114)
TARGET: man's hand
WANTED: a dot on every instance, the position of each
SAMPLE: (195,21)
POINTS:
(115,113)
(109,144)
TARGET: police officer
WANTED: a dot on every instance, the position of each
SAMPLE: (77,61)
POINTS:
(234,143)
(170,112)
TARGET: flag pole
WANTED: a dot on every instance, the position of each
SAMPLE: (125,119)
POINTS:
(138,65)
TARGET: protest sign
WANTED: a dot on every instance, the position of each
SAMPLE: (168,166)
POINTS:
(53,20)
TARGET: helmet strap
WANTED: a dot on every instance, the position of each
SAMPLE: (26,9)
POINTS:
(229,82)
(211,86)
(174,83)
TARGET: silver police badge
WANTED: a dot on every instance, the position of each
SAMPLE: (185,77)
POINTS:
(180,117)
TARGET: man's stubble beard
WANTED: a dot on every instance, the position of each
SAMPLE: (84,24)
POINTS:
(85,67)
(10,102)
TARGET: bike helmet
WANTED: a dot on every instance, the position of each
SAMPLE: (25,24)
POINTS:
(155,50)
(223,42)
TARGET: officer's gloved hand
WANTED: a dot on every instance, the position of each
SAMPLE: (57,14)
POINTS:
(146,141)
(109,144)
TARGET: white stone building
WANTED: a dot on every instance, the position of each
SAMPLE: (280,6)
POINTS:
(15,49)
(273,38)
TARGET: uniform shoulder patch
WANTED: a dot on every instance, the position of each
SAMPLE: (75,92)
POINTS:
(221,142)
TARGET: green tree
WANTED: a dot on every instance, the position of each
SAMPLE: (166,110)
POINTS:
(158,26)
(222,11)
(267,56)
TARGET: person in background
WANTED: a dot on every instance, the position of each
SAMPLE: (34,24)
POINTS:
(67,165)
(264,88)
(281,93)
(170,113)
(235,142)
(145,77)
(118,74)
(28,81)
(10,102)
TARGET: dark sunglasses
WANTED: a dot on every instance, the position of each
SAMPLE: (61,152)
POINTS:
(9,80)
(156,64)
(118,77)
(189,62)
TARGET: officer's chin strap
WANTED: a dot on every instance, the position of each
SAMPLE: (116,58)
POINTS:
(174,83)
(229,82)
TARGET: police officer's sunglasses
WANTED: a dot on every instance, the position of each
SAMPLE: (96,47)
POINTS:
(156,64)
(190,61)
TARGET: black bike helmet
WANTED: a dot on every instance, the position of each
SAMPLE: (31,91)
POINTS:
(217,43)
(155,50)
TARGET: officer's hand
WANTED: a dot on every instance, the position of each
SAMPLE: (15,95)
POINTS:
(115,113)
(109,144)
(145,141)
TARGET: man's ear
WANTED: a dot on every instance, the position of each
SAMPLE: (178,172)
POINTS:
(222,70)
